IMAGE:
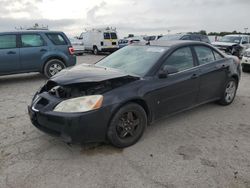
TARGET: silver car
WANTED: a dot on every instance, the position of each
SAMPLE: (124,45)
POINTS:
(78,46)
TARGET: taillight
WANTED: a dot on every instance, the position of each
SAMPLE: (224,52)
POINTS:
(71,50)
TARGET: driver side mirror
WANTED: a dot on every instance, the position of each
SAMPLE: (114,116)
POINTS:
(166,70)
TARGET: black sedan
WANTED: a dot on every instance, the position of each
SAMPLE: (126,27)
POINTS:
(115,99)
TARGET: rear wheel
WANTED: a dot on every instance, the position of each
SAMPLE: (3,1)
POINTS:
(95,50)
(127,125)
(52,67)
(229,92)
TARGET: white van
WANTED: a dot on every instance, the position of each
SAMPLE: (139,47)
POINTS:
(100,40)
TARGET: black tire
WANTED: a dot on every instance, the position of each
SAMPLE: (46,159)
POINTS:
(244,69)
(229,92)
(52,67)
(95,50)
(127,125)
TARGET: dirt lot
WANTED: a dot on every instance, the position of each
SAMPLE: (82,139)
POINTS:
(205,147)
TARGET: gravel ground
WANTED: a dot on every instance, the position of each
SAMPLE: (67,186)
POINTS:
(205,147)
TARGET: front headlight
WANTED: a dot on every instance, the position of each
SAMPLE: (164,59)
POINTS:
(80,104)
(246,54)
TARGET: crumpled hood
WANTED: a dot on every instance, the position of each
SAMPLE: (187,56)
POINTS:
(226,44)
(86,73)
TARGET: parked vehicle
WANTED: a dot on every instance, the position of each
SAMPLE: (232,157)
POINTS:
(78,46)
(246,61)
(47,52)
(117,98)
(152,37)
(186,36)
(100,40)
(233,44)
(124,42)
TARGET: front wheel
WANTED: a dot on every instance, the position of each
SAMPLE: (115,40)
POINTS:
(229,92)
(127,125)
(52,67)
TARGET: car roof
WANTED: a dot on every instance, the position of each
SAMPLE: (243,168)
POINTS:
(176,43)
(238,35)
(29,31)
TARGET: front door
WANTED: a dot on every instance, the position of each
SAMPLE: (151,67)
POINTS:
(179,90)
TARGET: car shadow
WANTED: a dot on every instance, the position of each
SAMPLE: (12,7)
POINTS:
(21,78)
(92,149)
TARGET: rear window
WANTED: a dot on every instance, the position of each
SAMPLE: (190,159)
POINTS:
(113,35)
(109,35)
(106,35)
(57,38)
(7,41)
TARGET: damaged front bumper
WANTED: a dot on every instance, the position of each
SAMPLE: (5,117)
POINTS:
(71,127)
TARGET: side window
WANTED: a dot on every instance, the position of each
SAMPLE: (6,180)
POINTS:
(113,35)
(244,40)
(7,41)
(217,56)
(186,37)
(205,39)
(106,35)
(57,39)
(195,37)
(204,54)
(181,59)
(31,40)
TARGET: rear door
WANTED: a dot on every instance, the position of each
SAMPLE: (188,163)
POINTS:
(9,54)
(33,47)
(213,73)
(110,39)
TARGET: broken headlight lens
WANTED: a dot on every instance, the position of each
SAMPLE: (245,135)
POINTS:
(80,104)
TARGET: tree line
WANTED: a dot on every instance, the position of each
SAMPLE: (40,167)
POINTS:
(203,32)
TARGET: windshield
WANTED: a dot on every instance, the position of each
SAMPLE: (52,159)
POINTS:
(231,39)
(113,35)
(171,37)
(133,59)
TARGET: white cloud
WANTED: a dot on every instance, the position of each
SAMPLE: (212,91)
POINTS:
(128,16)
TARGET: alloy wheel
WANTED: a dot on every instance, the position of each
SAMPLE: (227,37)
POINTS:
(230,91)
(55,68)
(128,125)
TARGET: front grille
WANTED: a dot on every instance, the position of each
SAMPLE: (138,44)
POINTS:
(113,43)
(42,102)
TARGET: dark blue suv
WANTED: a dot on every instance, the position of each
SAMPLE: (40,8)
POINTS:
(47,52)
